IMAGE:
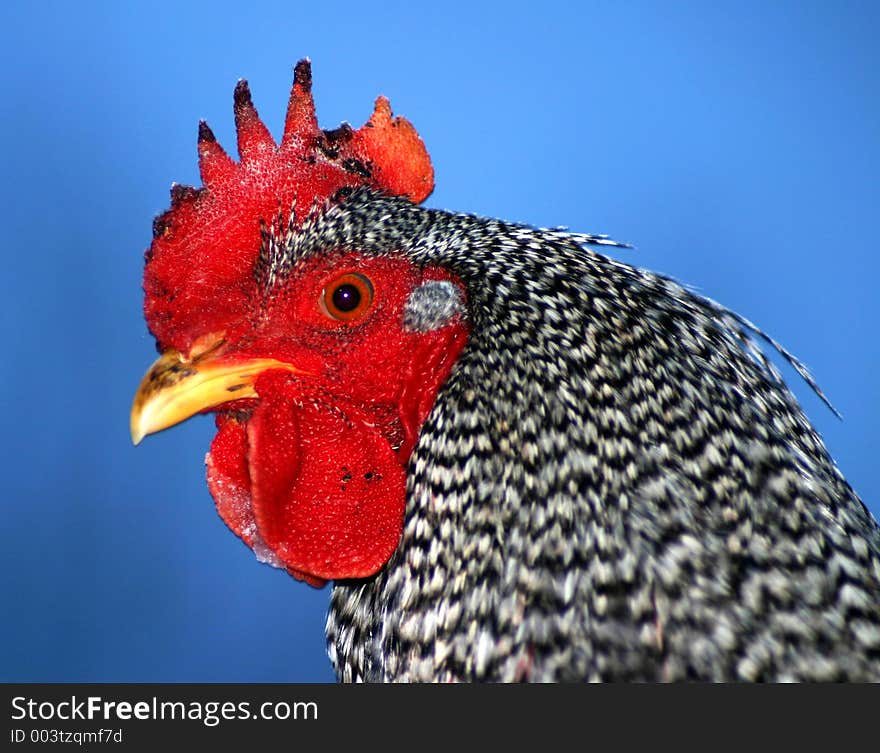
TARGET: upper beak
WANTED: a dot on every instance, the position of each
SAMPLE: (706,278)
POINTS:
(175,388)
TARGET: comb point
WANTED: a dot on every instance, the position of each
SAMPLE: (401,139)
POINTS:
(253,136)
(214,163)
(181,194)
(206,135)
(241,96)
(302,75)
(300,122)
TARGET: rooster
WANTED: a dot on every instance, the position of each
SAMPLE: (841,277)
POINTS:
(516,458)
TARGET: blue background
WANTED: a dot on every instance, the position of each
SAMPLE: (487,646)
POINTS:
(737,145)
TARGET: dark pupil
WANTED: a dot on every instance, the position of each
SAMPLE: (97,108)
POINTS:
(346,297)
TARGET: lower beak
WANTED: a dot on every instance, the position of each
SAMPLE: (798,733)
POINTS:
(175,388)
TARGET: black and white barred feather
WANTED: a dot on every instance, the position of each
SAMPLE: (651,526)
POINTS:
(614,483)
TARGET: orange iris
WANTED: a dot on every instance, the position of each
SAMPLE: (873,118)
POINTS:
(348,298)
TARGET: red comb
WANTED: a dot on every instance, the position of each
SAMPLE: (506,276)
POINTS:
(199,268)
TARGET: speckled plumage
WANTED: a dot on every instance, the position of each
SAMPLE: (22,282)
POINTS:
(613,484)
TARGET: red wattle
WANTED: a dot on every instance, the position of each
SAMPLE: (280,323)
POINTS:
(328,491)
(310,488)
(228,478)
(230,486)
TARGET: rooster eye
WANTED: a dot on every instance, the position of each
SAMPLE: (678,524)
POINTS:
(347,298)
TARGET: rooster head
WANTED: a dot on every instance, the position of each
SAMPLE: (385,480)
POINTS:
(320,364)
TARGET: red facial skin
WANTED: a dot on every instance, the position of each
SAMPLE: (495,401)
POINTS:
(312,473)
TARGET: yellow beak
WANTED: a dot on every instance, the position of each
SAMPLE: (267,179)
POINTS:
(176,388)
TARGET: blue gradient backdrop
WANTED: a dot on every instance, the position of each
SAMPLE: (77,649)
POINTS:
(737,145)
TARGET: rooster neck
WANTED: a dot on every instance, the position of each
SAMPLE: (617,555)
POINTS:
(610,486)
